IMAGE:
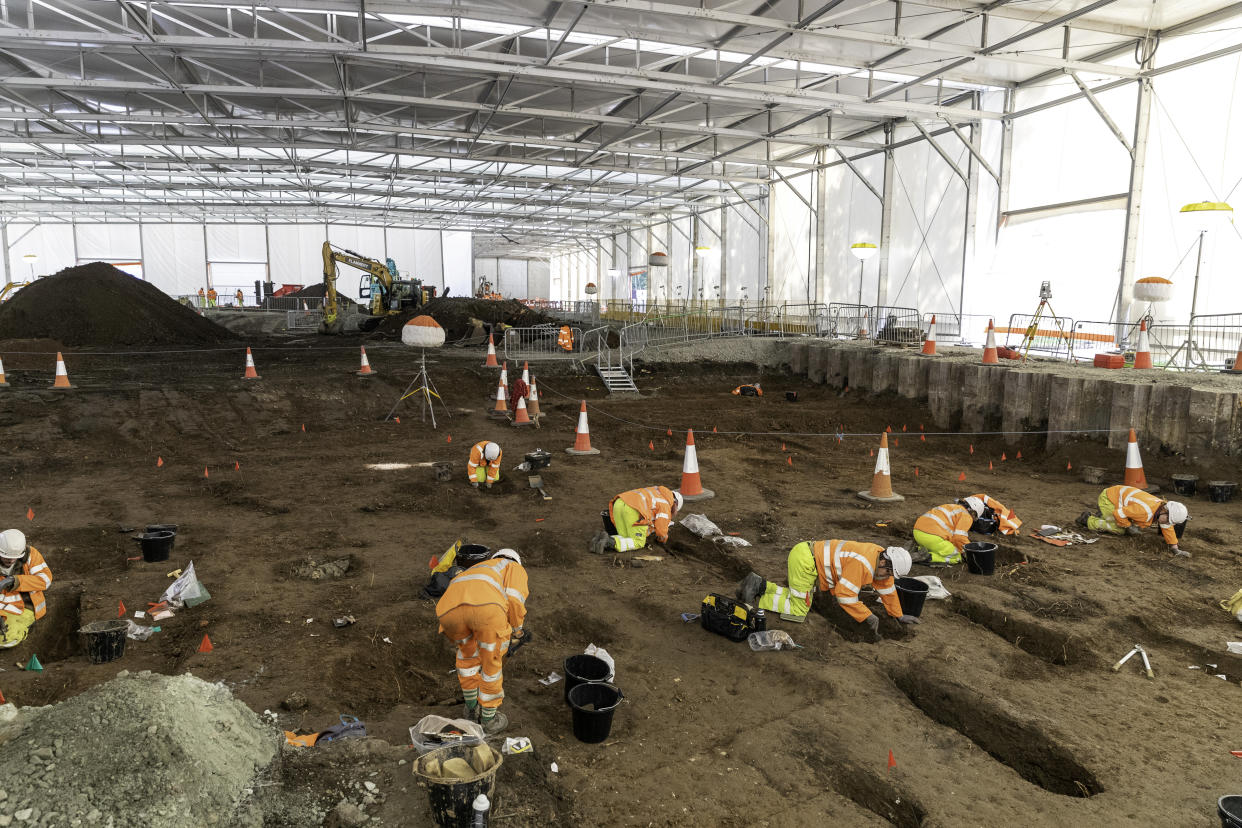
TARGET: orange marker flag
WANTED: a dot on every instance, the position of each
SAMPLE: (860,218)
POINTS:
(1069,466)
(450,439)
(205,646)
(303,428)
(922,438)
(1019,455)
(972,448)
(896,442)
(916,471)
(205,472)
(650,445)
(714,430)
(790,459)
(398,420)
(903,427)
(29,513)
(961,478)
(670,432)
(2,701)
(236,466)
(888,430)
(892,763)
(871,452)
(989,465)
(782,447)
(1003,457)
(920,426)
(159,462)
(120,609)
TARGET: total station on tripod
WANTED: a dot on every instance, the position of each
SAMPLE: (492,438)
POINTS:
(1045,291)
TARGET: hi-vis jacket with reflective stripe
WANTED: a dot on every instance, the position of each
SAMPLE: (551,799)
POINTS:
(477,459)
(32,580)
(654,503)
(1007,520)
(845,567)
(950,521)
(1138,507)
(497,581)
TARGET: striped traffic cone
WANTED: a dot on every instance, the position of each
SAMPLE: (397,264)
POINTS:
(582,440)
(3,382)
(526,373)
(365,369)
(929,344)
(500,411)
(691,486)
(520,416)
(61,382)
(491,362)
(1236,366)
(504,375)
(881,490)
(250,372)
(1134,464)
(533,396)
(1142,355)
(989,347)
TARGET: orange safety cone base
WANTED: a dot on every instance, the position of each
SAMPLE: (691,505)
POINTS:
(575,451)
(893,498)
(702,495)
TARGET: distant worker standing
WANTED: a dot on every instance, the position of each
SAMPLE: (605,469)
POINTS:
(635,514)
(240,298)
(482,612)
(484,464)
(943,532)
(565,338)
(202,298)
(840,567)
(211,297)
(1127,510)
(24,575)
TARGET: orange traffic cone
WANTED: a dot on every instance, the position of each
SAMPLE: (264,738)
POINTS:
(881,490)
(205,646)
(504,374)
(989,347)
(526,373)
(250,372)
(520,416)
(533,396)
(582,440)
(1236,366)
(929,344)
(500,411)
(691,486)
(365,369)
(491,362)
(62,376)
(1134,464)
(892,763)
(961,477)
(1142,356)
(3,382)
(120,609)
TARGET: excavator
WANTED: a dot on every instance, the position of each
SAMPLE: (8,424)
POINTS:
(387,294)
(11,287)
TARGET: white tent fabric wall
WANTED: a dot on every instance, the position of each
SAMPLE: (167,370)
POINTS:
(790,225)
(485,270)
(362,239)
(709,265)
(638,276)
(297,258)
(51,243)
(538,276)
(742,268)
(618,262)
(851,214)
(108,242)
(680,254)
(174,257)
(236,243)
(512,281)
(428,262)
(458,256)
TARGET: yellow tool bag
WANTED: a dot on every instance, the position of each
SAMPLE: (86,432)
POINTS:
(1234,605)
(724,616)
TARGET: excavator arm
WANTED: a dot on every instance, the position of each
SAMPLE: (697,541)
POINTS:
(331,304)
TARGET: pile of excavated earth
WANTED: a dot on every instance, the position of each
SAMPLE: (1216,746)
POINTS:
(96,305)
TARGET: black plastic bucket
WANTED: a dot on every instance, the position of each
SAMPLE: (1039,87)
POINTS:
(911,592)
(1230,810)
(593,706)
(609,526)
(162,527)
(452,800)
(791,396)
(156,546)
(1186,484)
(981,558)
(470,554)
(1221,491)
(104,640)
(585,669)
(985,526)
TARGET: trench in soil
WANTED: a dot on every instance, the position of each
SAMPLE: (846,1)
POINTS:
(1051,645)
(1211,662)
(865,788)
(1022,746)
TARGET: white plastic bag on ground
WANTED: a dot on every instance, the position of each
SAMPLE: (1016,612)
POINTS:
(433,732)
(935,587)
(701,526)
(731,540)
(185,588)
(602,655)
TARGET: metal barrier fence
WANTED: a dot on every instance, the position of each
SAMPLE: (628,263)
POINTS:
(959,328)
(541,342)
(896,326)
(271,303)
(296,320)
(1049,334)
(1209,342)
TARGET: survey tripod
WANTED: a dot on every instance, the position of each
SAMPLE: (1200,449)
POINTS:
(1032,330)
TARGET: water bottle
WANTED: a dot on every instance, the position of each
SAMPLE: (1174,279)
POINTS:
(761,620)
(481,809)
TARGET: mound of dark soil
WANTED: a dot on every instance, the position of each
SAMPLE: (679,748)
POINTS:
(97,305)
(454,315)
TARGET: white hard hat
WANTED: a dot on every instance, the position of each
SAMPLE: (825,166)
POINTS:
(975,505)
(900,559)
(491,451)
(677,501)
(511,554)
(1177,513)
(12,544)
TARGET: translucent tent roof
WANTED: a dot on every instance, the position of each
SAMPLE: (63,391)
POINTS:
(525,122)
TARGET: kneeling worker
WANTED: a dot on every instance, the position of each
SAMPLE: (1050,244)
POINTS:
(24,575)
(634,515)
(755,390)
(1007,522)
(840,567)
(482,612)
(943,532)
(484,465)
(1127,510)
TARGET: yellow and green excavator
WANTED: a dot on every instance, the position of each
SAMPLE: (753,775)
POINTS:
(380,291)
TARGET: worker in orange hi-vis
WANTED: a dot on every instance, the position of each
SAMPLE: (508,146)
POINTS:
(24,576)
(483,612)
(565,338)
(1127,510)
(1007,522)
(635,515)
(837,566)
(484,464)
(943,532)
(754,390)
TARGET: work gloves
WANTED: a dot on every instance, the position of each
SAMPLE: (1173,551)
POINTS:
(909,619)
(7,584)
(873,624)
(1133,530)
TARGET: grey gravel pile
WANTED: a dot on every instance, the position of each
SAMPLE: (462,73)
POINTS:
(142,749)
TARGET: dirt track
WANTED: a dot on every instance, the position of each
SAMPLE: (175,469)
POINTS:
(999,707)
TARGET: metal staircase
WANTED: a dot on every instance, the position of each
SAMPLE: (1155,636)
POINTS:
(616,379)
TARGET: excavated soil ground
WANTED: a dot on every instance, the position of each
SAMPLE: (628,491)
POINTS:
(999,707)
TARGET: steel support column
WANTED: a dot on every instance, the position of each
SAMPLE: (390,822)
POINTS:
(821,198)
(1129,252)
(972,206)
(1006,164)
(886,220)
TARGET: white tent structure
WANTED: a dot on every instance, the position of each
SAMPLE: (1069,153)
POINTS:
(984,147)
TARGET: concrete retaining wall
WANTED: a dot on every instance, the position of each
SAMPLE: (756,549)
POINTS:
(1190,414)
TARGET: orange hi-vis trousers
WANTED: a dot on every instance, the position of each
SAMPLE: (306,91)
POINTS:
(481,634)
